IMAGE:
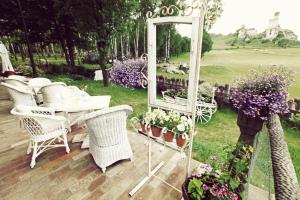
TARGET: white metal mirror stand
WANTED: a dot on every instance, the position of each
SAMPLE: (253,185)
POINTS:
(190,109)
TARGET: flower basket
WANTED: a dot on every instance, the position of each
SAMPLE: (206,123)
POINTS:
(249,125)
(156,131)
(169,136)
(180,141)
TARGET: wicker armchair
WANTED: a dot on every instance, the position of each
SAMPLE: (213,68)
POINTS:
(18,83)
(36,84)
(20,96)
(44,129)
(108,135)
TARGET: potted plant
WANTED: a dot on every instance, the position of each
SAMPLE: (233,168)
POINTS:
(182,130)
(156,119)
(258,96)
(222,184)
(170,122)
(142,120)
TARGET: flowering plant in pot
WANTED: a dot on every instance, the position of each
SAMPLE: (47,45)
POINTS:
(259,95)
(170,121)
(182,130)
(143,122)
(219,184)
(157,119)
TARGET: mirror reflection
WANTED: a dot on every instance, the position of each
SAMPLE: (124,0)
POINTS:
(173,46)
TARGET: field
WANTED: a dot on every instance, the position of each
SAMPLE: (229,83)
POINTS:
(225,66)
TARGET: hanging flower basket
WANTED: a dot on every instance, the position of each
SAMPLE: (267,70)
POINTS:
(249,125)
(169,136)
(156,131)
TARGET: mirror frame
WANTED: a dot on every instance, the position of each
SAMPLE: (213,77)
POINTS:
(192,83)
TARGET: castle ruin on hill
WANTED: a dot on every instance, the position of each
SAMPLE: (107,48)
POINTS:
(273,30)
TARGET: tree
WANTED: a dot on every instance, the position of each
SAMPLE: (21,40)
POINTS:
(206,43)
(104,18)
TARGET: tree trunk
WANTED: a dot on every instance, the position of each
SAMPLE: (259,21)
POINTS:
(30,53)
(285,179)
(64,48)
(122,47)
(136,46)
(144,48)
(23,56)
(115,48)
(101,46)
(53,50)
(12,49)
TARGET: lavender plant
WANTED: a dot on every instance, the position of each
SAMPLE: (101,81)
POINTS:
(263,93)
(128,73)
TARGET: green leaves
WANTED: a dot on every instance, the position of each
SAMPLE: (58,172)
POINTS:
(195,189)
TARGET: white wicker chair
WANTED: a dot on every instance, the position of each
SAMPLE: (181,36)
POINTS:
(52,95)
(20,96)
(44,129)
(108,138)
(36,84)
(18,77)
(18,83)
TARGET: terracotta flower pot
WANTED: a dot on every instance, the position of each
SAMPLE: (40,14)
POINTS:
(169,136)
(156,131)
(180,141)
(249,127)
(144,128)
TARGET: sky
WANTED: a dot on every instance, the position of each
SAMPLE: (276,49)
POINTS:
(256,14)
(253,14)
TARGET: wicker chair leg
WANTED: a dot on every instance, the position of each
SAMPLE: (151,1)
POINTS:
(32,164)
(29,148)
(66,143)
(103,169)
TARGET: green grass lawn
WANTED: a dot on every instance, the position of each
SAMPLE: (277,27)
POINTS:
(225,66)
(211,138)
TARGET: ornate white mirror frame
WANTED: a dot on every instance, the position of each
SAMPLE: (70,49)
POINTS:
(194,64)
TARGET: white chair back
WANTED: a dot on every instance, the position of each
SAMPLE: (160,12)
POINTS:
(18,77)
(37,83)
(107,127)
(18,83)
(20,96)
(53,95)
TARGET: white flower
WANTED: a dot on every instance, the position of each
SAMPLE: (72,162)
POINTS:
(180,127)
(183,118)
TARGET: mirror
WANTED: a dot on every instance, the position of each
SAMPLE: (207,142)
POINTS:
(172,58)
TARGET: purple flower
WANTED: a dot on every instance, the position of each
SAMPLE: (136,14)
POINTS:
(213,157)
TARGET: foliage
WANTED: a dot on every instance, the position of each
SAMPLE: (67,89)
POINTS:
(214,11)
(225,183)
(261,94)
(207,43)
(128,73)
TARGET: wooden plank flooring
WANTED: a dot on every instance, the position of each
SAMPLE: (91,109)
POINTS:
(58,175)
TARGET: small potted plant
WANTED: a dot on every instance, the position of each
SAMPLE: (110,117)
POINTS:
(170,122)
(182,130)
(225,183)
(156,119)
(258,96)
(144,125)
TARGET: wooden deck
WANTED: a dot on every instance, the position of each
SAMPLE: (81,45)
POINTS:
(58,175)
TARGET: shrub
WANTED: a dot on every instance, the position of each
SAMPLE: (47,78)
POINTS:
(207,43)
(128,73)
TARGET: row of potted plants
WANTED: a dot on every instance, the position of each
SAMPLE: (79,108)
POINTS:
(170,124)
